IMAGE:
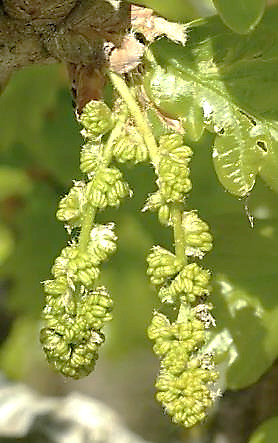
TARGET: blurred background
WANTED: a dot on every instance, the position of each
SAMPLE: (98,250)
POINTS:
(39,154)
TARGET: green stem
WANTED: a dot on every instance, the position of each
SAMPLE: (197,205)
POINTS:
(139,118)
(89,210)
(115,133)
(86,228)
(176,216)
(183,313)
(146,132)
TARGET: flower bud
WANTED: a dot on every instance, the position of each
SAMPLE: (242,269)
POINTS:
(96,119)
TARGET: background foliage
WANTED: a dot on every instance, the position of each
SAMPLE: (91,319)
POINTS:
(39,153)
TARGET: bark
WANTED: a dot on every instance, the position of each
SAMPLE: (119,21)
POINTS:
(77,32)
(89,36)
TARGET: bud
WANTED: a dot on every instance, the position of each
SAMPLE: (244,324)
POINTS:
(96,119)
(71,206)
(198,239)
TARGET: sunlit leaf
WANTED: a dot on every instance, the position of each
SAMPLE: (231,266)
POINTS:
(252,332)
(240,15)
(267,432)
(233,80)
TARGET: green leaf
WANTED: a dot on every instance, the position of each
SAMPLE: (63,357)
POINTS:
(233,80)
(245,260)
(24,103)
(6,243)
(267,432)
(240,15)
(249,331)
(59,140)
(13,182)
(21,352)
(39,238)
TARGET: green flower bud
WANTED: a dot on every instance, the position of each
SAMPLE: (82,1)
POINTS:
(71,206)
(96,119)
(162,265)
(98,199)
(198,239)
(188,396)
(186,376)
(175,361)
(153,202)
(169,142)
(71,341)
(164,215)
(56,286)
(161,346)
(102,242)
(76,266)
(173,171)
(159,327)
(88,276)
(107,188)
(191,282)
(91,157)
(130,147)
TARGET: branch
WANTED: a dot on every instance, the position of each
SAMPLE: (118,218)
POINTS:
(72,31)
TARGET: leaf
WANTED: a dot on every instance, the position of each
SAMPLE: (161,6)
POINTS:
(24,103)
(13,181)
(233,80)
(267,432)
(39,238)
(59,140)
(244,260)
(20,352)
(6,243)
(240,15)
(250,332)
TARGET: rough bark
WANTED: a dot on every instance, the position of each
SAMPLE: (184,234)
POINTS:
(81,33)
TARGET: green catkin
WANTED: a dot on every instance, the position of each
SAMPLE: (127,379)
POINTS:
(185,384)
(76,306)
(187,375)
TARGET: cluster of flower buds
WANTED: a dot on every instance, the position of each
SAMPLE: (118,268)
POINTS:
(190,283)
(162,265)
(74,311)
(76,307)
(107,188)
(130,146)
(173,177)
(185,382)
(186,378)
(96,119)
(173,181)
(73,334)
(198,239)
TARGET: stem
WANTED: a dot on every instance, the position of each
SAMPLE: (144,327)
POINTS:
(176,216)
(116,131)
(146,132)
(183,313)
(139,118)
(89,210)
(86,228)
